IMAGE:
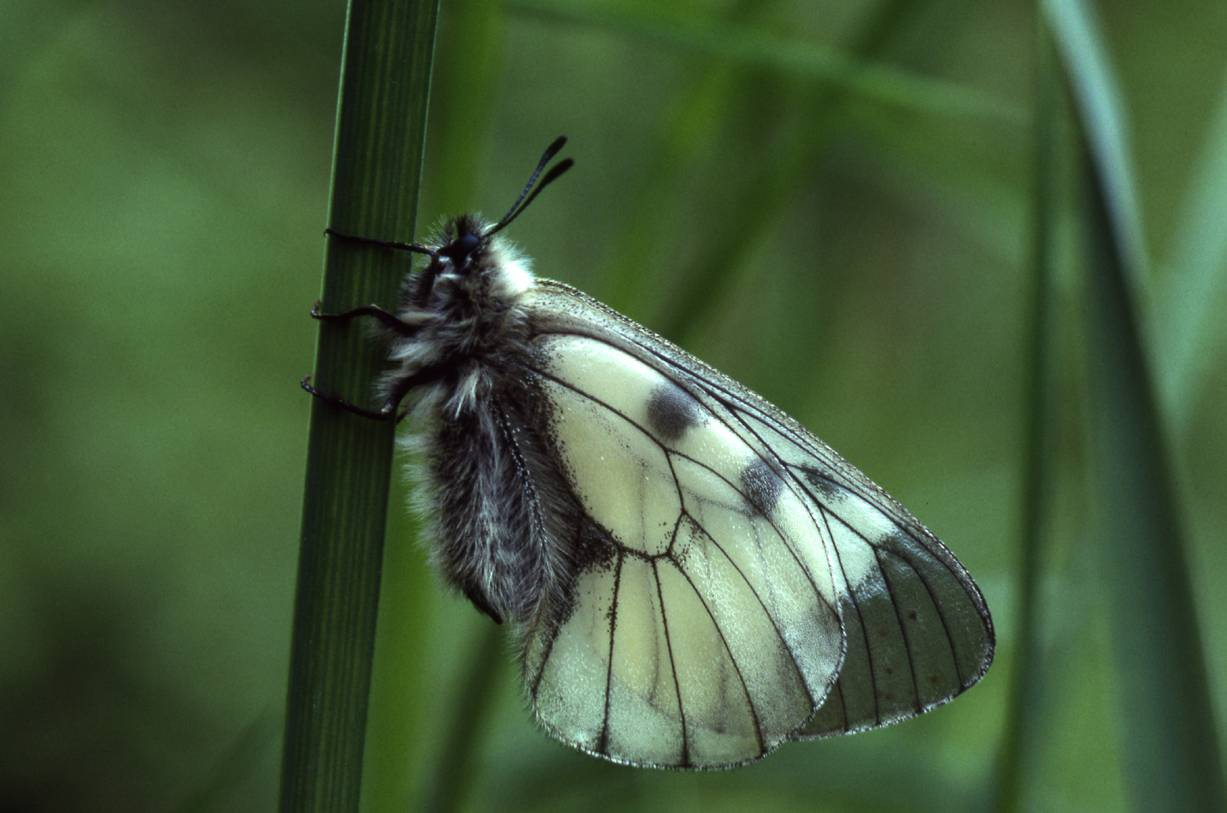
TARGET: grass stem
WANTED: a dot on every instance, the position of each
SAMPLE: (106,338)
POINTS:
(380,131)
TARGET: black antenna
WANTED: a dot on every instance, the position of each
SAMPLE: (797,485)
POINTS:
(525,198)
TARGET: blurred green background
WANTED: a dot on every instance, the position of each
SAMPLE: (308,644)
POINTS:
(831,201)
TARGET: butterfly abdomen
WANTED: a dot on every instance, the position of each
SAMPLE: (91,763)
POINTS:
(495,498)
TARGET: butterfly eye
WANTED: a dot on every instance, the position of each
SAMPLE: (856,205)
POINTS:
(468,243)
(462,247)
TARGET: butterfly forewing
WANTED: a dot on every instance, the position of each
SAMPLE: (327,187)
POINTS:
(755,588)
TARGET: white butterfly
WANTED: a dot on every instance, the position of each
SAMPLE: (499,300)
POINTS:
(696,578)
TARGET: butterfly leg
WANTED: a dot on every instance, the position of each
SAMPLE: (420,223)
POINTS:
(389,320)
(388,410)
(385,413)
(370,241)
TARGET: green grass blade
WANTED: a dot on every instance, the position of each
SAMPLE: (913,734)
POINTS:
(452,781)
(1195,280)
(467,92)
(1170,743)
(403,767)
(1171,749)
(891,86)
(1022,728)
(380,131)
(707,280)
(685,135)
(1101,112)
(703,282)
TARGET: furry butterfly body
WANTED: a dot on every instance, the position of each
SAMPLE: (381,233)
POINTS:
(694,577)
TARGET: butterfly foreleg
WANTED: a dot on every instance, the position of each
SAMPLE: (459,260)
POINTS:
(386,318)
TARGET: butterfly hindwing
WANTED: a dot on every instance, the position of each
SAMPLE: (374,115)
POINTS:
(714,622)
(918,630)
(917,627)
(916,634)
(754,587)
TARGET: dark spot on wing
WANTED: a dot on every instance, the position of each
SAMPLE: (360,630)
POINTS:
(671,411)
(825,486)
(761,485)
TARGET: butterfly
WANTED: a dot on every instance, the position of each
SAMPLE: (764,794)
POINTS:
(693,577)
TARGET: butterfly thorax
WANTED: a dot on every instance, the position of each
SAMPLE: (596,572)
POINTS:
(467,307)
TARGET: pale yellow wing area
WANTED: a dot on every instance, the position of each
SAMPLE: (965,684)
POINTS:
(766,574)
(709,634)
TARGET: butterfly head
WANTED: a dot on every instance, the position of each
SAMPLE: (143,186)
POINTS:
(460,250)
(470,254)
(471,270)
(463,246)
(466,236)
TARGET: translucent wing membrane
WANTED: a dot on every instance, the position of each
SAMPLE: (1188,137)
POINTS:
(756,587)
(716,626)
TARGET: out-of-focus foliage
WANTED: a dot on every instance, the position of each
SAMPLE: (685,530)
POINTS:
(846,187)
